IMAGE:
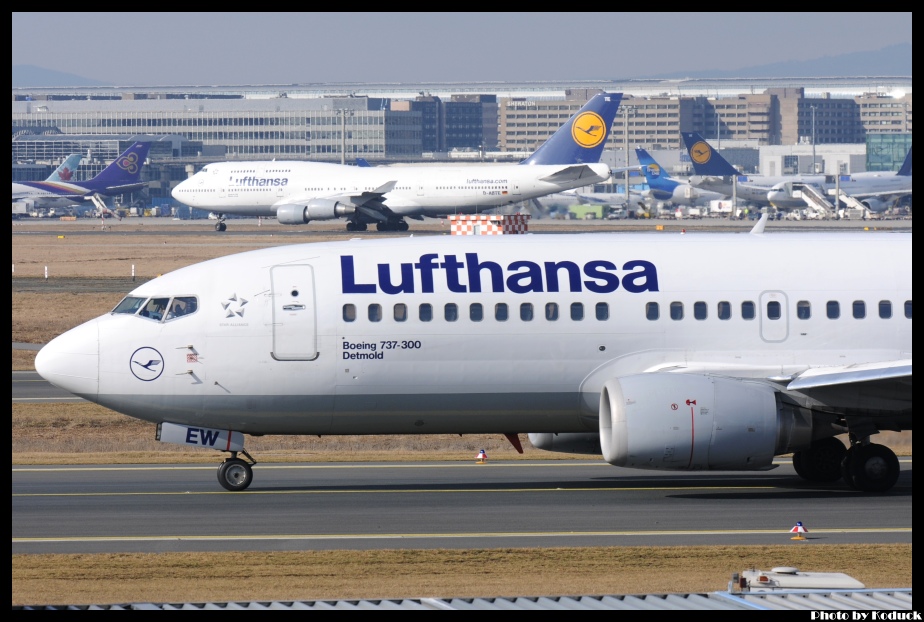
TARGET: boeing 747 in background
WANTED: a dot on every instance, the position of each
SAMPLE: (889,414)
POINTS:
(600,343)
(296,193)
(120,177)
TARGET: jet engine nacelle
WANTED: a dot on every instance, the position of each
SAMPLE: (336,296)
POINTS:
(696,422)
(875,205)
(315,209)
(587,443)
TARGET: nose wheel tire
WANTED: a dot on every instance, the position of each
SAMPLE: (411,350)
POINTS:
(235,475)
(220,226)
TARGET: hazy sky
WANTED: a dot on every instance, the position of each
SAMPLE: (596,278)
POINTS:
(146,49)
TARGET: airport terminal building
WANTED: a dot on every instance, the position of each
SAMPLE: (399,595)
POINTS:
(388,123)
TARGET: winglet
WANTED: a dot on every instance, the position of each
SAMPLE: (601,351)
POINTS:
(760,224)
(581,139)
(386,187)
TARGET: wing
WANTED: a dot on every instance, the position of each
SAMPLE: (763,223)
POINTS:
(570,173)
(882,386)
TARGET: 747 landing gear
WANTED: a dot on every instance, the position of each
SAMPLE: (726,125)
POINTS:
(392,225)
(821,462)
(235,474)
(870,467)
(355,225)
(220,225)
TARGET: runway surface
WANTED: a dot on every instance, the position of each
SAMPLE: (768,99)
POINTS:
(158,508)
(28,387)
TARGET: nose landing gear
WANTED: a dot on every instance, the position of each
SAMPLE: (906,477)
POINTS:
(236,474)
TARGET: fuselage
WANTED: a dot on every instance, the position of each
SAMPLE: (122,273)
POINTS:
(258,188)
(481,335)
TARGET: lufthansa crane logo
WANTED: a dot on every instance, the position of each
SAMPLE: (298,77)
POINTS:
(701,152)
(146,364)
(588,130)
(129,163)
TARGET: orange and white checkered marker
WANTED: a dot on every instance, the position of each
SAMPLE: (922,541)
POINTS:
(482,458)
(799,529)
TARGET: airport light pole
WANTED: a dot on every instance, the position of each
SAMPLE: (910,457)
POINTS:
(814,166)
(343,113)
(626,110)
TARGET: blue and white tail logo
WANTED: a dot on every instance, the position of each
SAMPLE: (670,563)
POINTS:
(582,138)
(705,159)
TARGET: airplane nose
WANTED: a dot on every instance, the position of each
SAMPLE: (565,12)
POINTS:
(71,361)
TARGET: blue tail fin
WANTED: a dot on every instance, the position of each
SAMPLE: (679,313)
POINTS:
(657,178)
(66,171)
(124,173)
(905,170)
(581,139)
(706,160)
(362,162)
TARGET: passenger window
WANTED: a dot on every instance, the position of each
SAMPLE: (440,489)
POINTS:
(859,309)
(803,309)
(425,312)
(676,310)
(748,310)
(833,309)
(724,310)
(699,310)
(885,309)
(908,309)
(602,311)
(349,313)
(475,312)
(526,312)
(451,312)
(577,311)
(551,311)
(375,313)
(400,312)
(652,311)
(129,305)
(774,310)
(500,312)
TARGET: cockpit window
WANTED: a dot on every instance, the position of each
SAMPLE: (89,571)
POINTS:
(182,305)
(129,305)
(159,308)
(155,308)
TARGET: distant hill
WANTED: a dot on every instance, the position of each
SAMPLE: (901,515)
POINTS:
(894,60)
(30,75)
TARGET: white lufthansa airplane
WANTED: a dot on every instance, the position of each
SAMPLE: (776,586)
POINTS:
(656,351)
(296,193)
(875,190)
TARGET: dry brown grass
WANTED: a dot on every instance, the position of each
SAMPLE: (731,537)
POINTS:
(322,575)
